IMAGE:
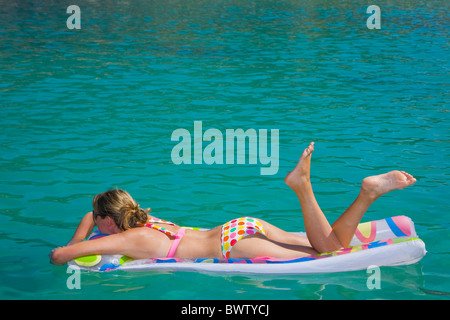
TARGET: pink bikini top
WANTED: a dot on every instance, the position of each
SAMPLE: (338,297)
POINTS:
(178,236)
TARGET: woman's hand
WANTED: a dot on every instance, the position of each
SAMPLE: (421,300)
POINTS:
(59,255)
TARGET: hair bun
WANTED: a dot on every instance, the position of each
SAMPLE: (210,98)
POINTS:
(140,215)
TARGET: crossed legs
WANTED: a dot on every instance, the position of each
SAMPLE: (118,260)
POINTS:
(322,237)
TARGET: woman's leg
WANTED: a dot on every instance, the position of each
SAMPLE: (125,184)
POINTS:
(319,231)
(322,236)
(280,236)
(371,189)
(257,245)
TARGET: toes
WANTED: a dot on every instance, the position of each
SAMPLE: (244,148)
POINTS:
(410,180)
(309,150)
(408,176)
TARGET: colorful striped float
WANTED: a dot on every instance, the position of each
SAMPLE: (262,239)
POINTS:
(387,242)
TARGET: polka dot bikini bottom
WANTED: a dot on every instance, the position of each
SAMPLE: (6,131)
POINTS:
(236,229)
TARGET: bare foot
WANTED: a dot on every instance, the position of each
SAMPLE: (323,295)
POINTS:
(376,186)
(297,177)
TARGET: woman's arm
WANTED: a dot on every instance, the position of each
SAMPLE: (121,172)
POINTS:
(113,244)
(84,229)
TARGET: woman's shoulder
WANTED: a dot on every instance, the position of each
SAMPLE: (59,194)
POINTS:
(143,233)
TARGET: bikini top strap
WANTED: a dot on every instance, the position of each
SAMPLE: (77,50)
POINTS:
(151,224)
(160,229)
(157,220)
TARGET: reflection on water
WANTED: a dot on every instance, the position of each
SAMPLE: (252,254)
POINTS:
(352,285)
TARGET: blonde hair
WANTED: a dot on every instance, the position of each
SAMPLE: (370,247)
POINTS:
(121,207)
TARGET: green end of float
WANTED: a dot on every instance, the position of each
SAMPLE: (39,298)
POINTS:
(124,259)
(88,261)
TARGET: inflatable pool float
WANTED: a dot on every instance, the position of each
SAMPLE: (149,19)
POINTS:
(387,242)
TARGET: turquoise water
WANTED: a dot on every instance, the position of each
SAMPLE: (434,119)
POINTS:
(86,110)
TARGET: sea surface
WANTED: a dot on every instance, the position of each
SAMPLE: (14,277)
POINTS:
(86,110)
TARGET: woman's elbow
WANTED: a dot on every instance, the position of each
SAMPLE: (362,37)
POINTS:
(57,257)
